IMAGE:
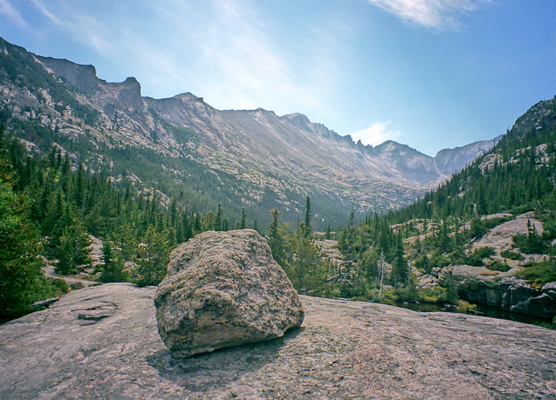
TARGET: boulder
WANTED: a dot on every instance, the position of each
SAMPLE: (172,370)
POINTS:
(224,289)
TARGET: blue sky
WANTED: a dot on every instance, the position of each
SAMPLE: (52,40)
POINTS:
(432,74)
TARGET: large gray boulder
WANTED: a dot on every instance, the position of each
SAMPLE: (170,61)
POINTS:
(224,289)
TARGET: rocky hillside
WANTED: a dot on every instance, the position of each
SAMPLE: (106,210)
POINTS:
(238,158)
(488,235)
(102,342)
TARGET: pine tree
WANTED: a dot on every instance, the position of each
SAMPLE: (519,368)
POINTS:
(277,240)
(22,281)
(400,267)
(112,266)
(153,252)
(243,221)
(307,230)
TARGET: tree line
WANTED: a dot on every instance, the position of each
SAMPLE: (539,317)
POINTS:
(49,207)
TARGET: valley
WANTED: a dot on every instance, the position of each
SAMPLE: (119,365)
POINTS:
(83,156)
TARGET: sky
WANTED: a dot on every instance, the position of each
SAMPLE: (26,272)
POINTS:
(431,74)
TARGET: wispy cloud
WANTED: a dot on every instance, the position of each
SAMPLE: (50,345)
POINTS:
(376,133)
(248,67)
(79,25)
(437,14)
(8,11)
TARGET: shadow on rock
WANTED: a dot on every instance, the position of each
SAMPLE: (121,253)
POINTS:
(220,368)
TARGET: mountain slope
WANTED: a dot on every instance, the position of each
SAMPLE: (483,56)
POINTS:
(239,158)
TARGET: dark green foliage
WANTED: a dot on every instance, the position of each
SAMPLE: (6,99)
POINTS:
(477,257)
(112,266)
(532,242)
(22,281)
(400,269)
(512,255)
(496,265)
(539,273)
(493,222)
(152,257)
(478,229)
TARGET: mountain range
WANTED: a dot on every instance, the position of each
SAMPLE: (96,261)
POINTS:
(237,158)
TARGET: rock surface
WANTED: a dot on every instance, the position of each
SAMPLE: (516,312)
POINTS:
(102,343)
(224,289)
(500,237)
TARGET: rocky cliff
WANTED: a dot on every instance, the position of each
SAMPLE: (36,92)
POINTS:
(102,343)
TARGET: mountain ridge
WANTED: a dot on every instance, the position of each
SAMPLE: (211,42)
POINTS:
(271,161)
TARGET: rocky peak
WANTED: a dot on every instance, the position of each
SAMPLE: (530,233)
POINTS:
(450,161)
(188,97)
(82,77)
(299,120)
(413,164)
(541,115)
(129,94)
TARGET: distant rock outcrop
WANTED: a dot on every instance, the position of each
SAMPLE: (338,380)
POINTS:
(101,343)
(450,161)
(224,289)
(502,290)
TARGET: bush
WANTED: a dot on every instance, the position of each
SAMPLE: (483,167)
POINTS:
(465,307)
(436,294)
(498,266)
(512,255)
(530,244)
(539,273)
(476,258)
(457,255)
(59,286)
(491,223)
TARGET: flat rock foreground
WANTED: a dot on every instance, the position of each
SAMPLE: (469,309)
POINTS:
(102,343)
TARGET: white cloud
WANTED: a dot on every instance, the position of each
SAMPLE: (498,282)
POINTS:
(376,133)
(247,70)
(438,14)
(78,24)
(245,65)
(6,9)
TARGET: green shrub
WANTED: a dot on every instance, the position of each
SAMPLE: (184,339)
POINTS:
(492,222)
(539,273)
(464,306)
(498,266)
(436,294)
(476,258)
(512,255)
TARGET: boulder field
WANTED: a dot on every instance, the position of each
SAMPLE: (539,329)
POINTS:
(102,343)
